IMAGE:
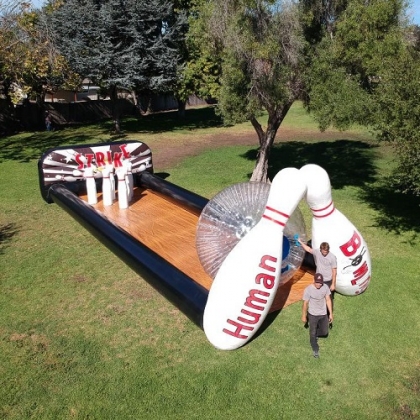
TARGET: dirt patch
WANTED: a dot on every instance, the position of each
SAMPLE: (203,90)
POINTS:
(168,154)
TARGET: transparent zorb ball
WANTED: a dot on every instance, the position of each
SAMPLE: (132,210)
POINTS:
(231,214)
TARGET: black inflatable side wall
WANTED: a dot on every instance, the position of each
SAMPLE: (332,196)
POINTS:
(178,288)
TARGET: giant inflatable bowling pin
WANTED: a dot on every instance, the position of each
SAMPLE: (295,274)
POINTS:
(246,283)
(354,266)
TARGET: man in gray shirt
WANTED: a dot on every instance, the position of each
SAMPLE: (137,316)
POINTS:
(325,261)
(316,301)
(326,264)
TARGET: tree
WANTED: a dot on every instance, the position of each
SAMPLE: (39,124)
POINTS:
(29,63)
(29,58)
(201,71)
(121,44)
(367,71)
(14,45)
(345,64)
(331,53)
(260,44)
(8,39)
(398,101)
(44,69)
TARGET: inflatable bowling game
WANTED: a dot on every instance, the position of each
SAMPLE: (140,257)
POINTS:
(156,235)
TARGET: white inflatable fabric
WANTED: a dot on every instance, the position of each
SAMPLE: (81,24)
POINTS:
(354,267)
(247,281)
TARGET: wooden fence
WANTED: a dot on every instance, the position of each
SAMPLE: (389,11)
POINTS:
(31,117)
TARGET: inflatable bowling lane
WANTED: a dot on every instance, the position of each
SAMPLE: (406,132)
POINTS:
(146,221)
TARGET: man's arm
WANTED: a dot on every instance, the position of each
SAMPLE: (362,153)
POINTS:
(305,247)
(334,278)
(305,311)
(329,306)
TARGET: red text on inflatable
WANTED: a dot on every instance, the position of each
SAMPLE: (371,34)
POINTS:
(349,249)
(363,285)
(256,301)
(114,158)
(359,273)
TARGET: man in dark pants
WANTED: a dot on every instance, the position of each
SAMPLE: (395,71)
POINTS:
(316,302)
(326,264)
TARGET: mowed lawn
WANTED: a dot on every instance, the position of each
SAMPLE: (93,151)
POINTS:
(84,337)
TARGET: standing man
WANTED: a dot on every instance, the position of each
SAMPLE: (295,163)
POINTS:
(316,301)
(326,263)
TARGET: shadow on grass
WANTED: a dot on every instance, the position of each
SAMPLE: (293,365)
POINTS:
(351,163)
(195,118)
(23,148)
(26,148)
(6,234)
(396,212)
(348,162)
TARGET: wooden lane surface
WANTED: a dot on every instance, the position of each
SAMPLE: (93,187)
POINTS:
(169,230)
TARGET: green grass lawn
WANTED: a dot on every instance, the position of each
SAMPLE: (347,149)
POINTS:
(84,337)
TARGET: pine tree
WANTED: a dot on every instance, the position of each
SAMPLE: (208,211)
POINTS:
(121,44)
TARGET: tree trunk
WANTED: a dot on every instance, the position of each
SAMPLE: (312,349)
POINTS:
(181,108)
(135,100)
(260,172)
(259,130)
(266,140)
(115,109)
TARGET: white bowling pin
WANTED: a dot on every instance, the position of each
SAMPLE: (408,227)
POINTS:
(90,186)
(122,188)
(106,188)
(245,285)
(354,267)
(110,167)
(129,180)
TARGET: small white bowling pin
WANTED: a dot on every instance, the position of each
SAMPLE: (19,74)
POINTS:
(354,266)
(122,188)
(106,188)
(129,179)
(245,285)
(90,186)
(110,167)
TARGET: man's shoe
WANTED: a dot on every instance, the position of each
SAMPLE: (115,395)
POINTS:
(316,354)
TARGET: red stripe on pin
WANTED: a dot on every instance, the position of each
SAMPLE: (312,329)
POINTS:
(315,211)
(277,211)
(273,220)
(325,208)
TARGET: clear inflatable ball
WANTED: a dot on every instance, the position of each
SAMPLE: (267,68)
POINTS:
(231,214)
